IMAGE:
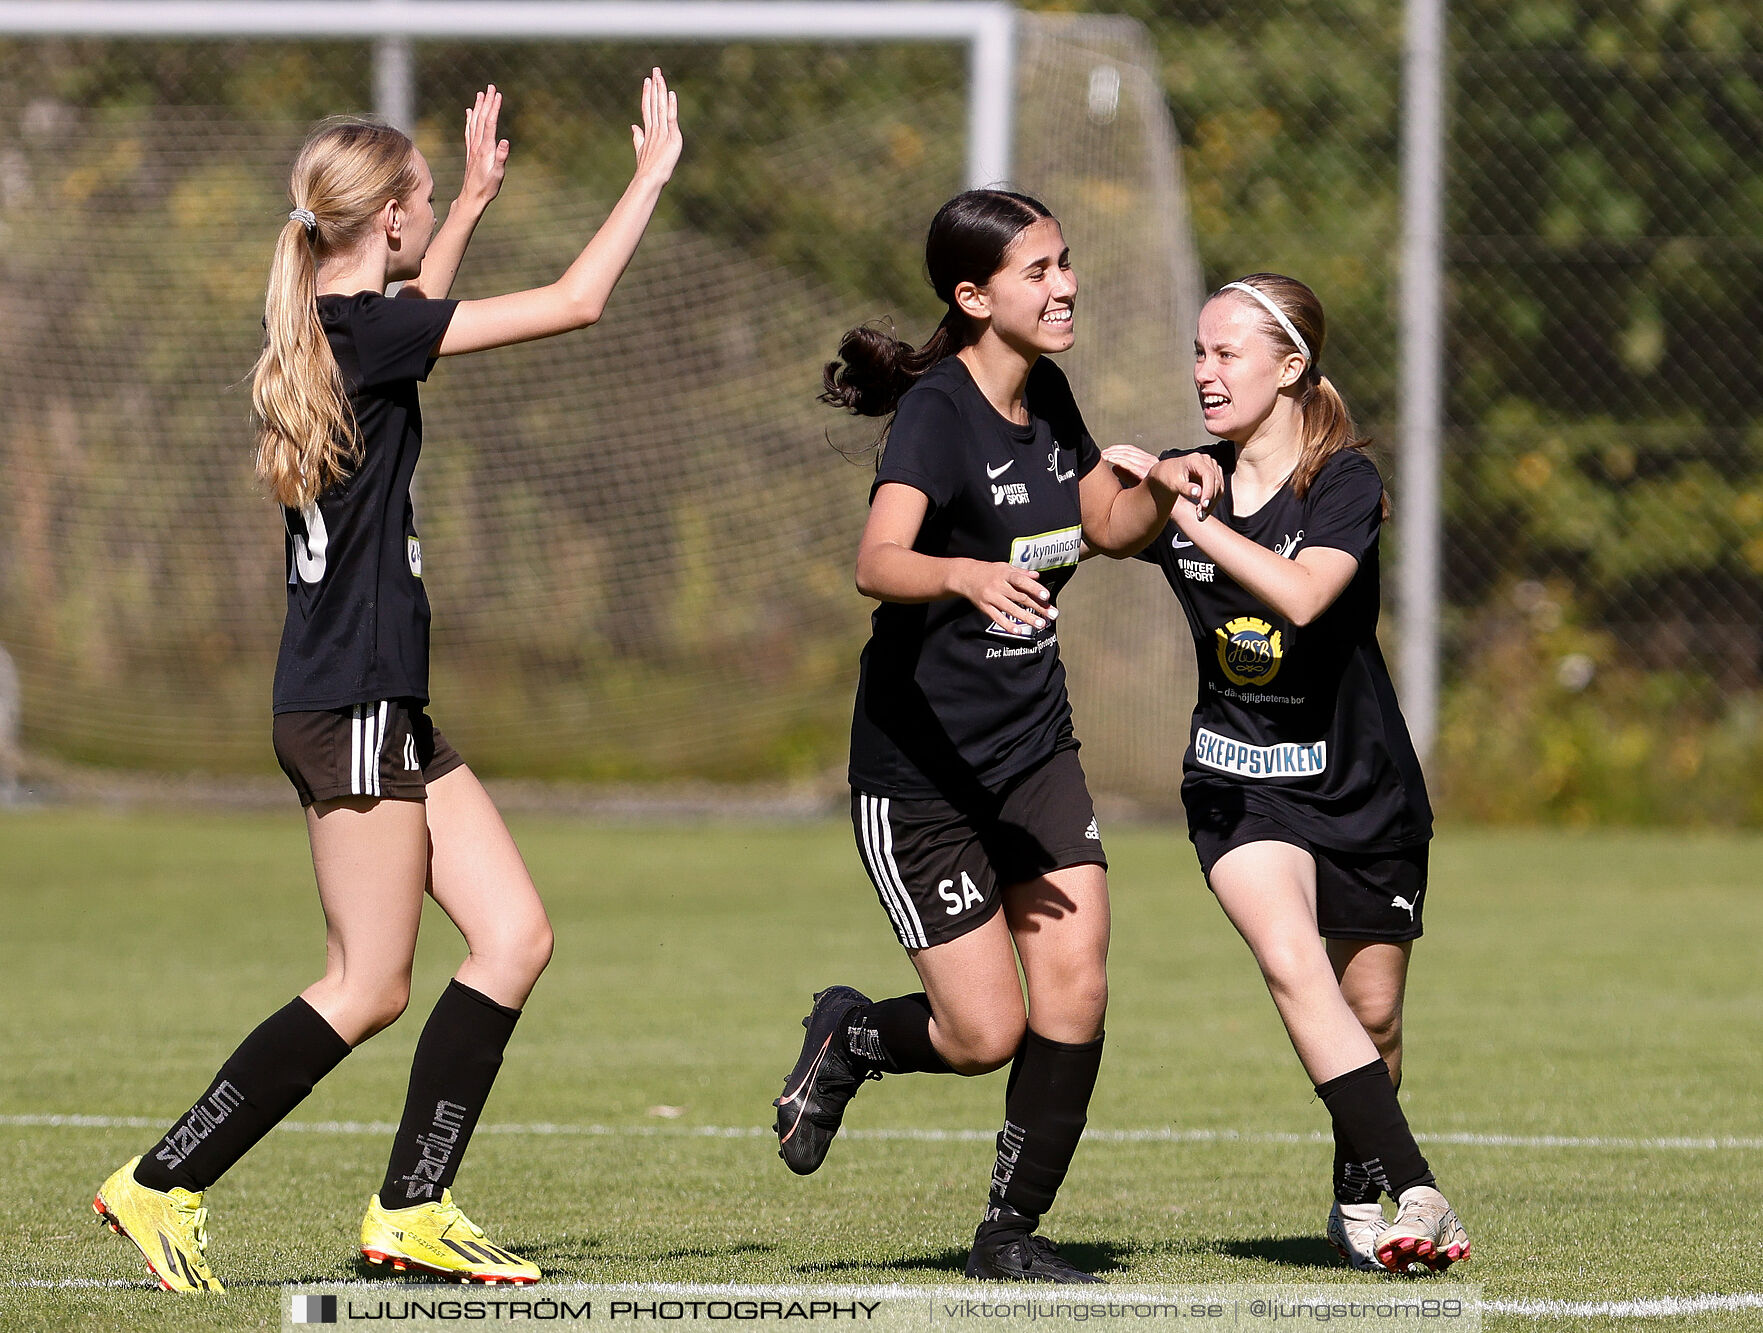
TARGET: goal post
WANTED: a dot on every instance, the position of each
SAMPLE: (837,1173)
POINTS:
(638,540)
(986,27)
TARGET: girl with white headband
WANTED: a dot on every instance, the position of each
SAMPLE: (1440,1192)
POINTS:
(391,809)
(1304,796)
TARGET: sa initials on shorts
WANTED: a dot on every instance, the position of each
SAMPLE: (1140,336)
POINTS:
(968,895)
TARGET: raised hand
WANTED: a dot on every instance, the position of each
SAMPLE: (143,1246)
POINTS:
(486,156)
(657,140)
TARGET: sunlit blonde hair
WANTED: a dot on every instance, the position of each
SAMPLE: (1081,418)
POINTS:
(1327,424)
(306,434)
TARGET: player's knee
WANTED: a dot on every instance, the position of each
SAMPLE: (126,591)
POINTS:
(981,1048)
(1291,965)
(1383,1024)
(537,946)
(520,951)
(377,1005)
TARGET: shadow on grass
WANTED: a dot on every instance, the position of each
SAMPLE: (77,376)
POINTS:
(1100,1259)
(1286,1251)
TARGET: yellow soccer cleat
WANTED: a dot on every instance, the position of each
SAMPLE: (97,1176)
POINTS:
(438,1239)
(170,1230)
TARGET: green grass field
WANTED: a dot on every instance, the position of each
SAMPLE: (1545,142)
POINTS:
(1599,989)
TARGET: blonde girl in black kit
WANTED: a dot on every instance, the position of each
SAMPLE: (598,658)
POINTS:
(1305,799)
(391,809)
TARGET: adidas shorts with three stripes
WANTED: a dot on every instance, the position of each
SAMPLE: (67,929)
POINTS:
(939,870)
(387,748)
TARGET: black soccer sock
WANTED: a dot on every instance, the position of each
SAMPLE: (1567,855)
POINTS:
(1352,1181)
(1046,1105)
(894,1036)
(1366,1114)
(268,1076)
(456,1061)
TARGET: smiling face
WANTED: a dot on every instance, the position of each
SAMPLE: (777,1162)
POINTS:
(1030,301)
(415,225)
(1239,371)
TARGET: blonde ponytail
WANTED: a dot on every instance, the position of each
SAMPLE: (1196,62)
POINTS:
(307,440)
(1328,429)
(1327,424)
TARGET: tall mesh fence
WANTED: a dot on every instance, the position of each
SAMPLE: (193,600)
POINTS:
(1602,651)
(637,541)
(1603,572)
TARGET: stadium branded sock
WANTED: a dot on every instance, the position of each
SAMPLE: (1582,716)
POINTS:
(456,1061)
(269,1075)
(1046,1105)
(1368,1117)
(1352,1179)
(894,1036)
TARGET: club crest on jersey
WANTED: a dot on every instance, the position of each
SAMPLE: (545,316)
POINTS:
(1249,650)
(413,553)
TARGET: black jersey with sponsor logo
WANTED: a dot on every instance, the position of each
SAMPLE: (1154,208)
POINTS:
(947,703)
(358,616)
(1298,723)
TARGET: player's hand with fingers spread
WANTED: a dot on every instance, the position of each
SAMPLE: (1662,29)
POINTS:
(1015,599)
(486,156)
(657,140)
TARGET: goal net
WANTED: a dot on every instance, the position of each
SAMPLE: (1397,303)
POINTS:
(638,540)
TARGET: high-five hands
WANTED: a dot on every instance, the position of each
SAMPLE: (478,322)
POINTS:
(486,156)
(657,140)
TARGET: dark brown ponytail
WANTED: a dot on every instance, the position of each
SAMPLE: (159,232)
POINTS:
(968,240)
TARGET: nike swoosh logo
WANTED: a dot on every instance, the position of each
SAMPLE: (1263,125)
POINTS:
(995,472)
(1179,542)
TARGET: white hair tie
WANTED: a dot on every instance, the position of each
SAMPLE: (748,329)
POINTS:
(1291,329)
(305,217)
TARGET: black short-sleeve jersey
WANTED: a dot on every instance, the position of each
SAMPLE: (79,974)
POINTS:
(1298,723)
(948,704)
(358,617)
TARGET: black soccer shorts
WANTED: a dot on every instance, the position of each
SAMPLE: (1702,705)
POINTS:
(939,871)
(387,748)
(1376,896)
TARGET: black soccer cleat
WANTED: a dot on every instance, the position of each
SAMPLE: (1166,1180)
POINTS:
(1021,1258)
(825,1078)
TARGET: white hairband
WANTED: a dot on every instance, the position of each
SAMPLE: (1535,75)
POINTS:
(305,217)
(1290,328)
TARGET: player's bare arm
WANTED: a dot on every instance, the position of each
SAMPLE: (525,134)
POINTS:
(486,163)
(889,570)
(579,297)
(1121,520)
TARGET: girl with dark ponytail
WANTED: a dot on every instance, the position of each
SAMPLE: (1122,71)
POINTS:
(1305,799)
(969,805)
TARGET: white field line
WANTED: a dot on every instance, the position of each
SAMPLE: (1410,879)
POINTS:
(1660,1307)
(542,1129)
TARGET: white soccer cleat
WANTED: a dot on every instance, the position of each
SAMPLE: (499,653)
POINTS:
(1425,1231)
(1354,1229)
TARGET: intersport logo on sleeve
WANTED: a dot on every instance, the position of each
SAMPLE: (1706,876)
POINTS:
(1047,550)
